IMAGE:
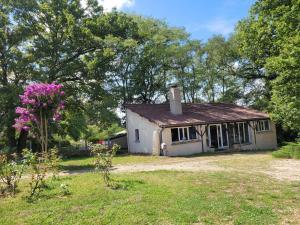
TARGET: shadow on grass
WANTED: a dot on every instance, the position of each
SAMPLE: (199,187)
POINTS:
(50,190)
(122,184)
(70,168)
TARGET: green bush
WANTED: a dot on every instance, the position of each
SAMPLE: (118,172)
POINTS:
(290,151)
(11,171)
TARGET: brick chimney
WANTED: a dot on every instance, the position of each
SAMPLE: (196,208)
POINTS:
(175,100)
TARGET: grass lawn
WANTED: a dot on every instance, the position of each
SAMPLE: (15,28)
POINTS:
(161,197)
(88,162)
(238,196)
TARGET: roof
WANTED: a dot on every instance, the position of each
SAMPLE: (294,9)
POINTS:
(193,114)
(122,133)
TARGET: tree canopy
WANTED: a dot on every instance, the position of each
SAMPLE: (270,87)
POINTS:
(107,59)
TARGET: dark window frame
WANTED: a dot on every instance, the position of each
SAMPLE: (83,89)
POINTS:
(137,135)
(183,134)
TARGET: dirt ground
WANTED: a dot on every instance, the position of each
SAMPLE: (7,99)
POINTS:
(264,163)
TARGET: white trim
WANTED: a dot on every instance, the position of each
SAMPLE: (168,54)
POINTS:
(187,133)
(260,127)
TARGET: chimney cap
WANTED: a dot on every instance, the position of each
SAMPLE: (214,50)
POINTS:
(173,85)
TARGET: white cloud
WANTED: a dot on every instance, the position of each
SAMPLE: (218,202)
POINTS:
(108,5)
(217,26)
(221,26)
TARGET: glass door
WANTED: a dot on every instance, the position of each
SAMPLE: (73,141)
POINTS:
(218,136)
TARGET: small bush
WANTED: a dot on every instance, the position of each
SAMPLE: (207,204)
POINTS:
(290,151)
(64,189)
(103,162)
(11,170)
(40,164)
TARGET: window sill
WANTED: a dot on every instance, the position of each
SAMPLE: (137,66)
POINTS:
(263,131)
(242,144)
(185,142)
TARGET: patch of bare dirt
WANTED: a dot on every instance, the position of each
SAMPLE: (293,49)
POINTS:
(284,169)
(186,165)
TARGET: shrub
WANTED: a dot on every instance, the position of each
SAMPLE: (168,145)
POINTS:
(40,164)
(64,189)
(10,173)
(103,162)
(290,150)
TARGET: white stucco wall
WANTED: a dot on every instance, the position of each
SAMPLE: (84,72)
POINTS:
(145,127)
(187,148)
(265,140)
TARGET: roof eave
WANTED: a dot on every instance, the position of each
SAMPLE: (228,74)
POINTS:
(213,122)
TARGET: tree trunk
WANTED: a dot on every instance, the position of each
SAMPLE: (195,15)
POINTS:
(11,133)
(22,141)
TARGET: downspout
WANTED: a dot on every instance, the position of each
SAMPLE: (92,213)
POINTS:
(160,139)
(126,113)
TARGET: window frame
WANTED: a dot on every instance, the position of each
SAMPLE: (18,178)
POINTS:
(239,141)
(184,131)
(261,126)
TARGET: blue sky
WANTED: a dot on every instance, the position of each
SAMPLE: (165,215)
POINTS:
(201,18)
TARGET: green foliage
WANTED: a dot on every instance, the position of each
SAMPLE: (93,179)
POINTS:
(289,151)
(11,171)
(269,41)
(65,189)
(40,165)
(103,161)
(110,131)
(107,59)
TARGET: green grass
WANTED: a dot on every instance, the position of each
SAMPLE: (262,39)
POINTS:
(88,162)
(289,151)
(160,197)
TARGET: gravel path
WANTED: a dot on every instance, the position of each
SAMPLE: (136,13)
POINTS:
(281,169)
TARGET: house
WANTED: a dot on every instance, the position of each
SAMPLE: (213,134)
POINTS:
(183,129)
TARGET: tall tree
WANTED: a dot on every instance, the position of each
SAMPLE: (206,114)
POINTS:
(269,42)
(220,61)
(14,68)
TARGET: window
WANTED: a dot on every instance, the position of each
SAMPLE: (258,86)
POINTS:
(224,134)
(241,133)
(137,135)
(192,133)
(263,125)
(236,134)
(183,134)
(174,133)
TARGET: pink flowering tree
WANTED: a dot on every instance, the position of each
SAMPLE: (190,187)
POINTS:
(41,104)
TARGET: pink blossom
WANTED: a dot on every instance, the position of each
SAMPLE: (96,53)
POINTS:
(37,98)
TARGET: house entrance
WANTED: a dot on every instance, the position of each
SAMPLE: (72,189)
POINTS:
(218,136)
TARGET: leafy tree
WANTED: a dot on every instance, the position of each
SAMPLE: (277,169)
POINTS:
(219,69)
(187,68)
(14,67)
(150,75)
(268,40)
(67,38)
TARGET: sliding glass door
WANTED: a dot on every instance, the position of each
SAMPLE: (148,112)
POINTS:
(218,136)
